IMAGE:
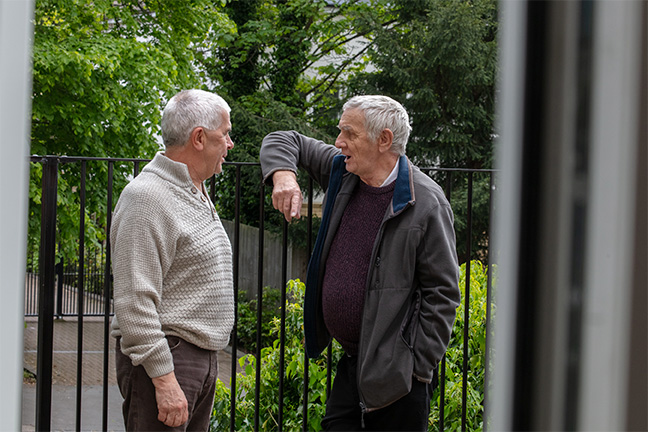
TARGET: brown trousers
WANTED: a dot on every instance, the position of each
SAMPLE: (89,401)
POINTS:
(196,370)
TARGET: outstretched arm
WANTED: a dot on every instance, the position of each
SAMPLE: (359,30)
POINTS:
(290,150)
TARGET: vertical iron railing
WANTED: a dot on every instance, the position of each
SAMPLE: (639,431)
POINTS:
(282,331)
(309,241)
(51,300)
(80,293)
(442,366)
(235,254)
(259,299)
(466,335)
(47,260)
(107,297)
(489,302)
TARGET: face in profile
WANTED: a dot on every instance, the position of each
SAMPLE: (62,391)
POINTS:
(218,143)
(354,142)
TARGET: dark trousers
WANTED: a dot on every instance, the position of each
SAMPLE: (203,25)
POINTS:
(343,413)
(196,370)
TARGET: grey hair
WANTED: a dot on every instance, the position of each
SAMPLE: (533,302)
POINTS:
(382,112)
(188,110)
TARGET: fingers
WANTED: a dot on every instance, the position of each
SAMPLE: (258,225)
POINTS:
(171,401)
(296,204)
(173,413)
(174,421)
(174,418)
(288,203)
(286,194)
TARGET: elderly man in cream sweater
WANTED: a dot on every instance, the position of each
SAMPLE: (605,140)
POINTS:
(172,266)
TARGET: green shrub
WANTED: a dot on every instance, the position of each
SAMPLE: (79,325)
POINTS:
(294,371)
(476,360)
(247,319)
(269,388)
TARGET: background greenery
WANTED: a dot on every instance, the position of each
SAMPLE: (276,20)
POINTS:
(246,329)
(294,367)
(104,69)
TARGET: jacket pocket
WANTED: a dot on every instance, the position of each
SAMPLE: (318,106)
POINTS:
(410,323)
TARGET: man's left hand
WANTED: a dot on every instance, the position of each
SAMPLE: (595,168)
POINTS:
(171,401)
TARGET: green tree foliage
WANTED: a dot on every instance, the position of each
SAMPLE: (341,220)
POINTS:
(103,68)
(294,367)
(439,60)
(101,71)
(479,212)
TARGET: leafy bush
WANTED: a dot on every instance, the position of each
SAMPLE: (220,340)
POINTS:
(476,359)
(317,380)
(247,319)
(269,388)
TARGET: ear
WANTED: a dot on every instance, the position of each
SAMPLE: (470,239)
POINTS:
(385,140)
(197,138)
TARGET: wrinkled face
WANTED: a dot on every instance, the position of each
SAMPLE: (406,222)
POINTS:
(218,142)
(361,152)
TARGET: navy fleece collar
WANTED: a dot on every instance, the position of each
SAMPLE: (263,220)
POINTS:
(402,190)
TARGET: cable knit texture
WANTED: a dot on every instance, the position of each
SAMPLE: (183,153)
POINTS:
(345,278)
(172,267)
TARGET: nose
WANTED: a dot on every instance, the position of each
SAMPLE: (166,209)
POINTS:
(230,143)
(338,141)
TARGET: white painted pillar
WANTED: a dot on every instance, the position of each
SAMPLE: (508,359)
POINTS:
(16,36)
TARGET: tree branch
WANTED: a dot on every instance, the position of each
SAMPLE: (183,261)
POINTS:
(321,54)
(335,75)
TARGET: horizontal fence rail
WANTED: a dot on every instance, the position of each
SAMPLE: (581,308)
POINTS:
(69,272)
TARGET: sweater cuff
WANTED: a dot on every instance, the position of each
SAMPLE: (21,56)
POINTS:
(158,364)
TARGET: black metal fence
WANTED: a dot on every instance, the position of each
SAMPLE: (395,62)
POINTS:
(68,260)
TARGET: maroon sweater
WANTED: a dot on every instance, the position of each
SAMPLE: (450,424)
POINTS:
(347,265)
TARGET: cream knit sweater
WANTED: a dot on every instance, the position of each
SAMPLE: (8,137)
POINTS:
(172,267)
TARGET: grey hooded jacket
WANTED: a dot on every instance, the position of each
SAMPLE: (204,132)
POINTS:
(412,285)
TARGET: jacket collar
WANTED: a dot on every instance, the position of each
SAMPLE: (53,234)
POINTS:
(404,188)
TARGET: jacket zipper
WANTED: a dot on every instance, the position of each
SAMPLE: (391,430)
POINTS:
(376,260)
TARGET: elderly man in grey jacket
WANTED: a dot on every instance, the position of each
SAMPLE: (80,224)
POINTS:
(383,275)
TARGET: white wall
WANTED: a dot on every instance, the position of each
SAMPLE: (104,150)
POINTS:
(15,88)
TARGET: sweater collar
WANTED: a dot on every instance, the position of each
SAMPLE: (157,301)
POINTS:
(404,186)
(170,170)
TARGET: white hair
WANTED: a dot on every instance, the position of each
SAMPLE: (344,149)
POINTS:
(188,110)
(382,112)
